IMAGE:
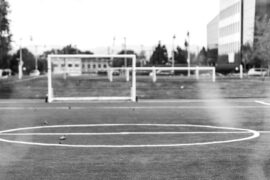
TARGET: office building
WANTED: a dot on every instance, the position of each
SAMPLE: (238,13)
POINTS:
(236,27)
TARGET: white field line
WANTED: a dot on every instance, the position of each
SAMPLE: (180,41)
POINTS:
(41,101)
(254,135)
(194,100)
(129,107)
(123,124)
(264,132)
(22,101)
(263,103)
(124,133)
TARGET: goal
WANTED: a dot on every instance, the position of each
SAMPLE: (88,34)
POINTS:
(91,77)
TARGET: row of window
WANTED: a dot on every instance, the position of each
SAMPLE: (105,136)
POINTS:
(94,66)
(83,66)
(230,29)
(231,10)
(229,48)
(63,65)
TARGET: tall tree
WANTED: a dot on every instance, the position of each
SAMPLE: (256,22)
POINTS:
(261,47)
(5,36)
(180,56)
(28,61)
(160,55)
(247,53)
(212,56)
(120,62)
(69,49)
(202,57)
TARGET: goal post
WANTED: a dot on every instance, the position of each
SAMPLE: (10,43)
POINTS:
(80,67)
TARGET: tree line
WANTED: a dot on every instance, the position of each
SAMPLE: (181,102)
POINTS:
(258,53)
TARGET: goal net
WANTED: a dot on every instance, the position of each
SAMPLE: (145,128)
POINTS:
(91,77)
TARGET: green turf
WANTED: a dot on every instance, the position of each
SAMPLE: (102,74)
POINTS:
(165,88)
(239,160)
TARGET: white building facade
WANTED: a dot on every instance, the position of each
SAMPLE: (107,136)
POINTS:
(212,33)
(236,26)
(79,66)
(229,28)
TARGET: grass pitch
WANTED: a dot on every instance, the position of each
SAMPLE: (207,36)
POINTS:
(176,87)
(229,102)
(236,160)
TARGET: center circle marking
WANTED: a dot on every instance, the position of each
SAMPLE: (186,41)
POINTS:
(254,134)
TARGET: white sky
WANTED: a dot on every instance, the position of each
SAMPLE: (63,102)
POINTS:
(90,24)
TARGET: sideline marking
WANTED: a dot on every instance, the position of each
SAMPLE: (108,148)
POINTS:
(129,107)
(263,103)
(255,134)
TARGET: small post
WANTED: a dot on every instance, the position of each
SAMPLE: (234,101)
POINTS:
(154,74)
(197,72)
(127,74)
(50,89)
(110,74)
(65,69)
(241,71)
(20,66)
(214,74)
(133,87)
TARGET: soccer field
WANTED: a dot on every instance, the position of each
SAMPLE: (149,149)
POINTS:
(152,139)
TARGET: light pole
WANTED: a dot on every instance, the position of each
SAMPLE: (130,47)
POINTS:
(241,33)
(173,60)
(36,64)
(125,51)
(20,73)
(113,45)
(187,44)
(35,53)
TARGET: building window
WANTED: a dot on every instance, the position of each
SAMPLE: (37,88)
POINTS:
(230,29)
(76,65)
(104,66)
(230,11)
(94,66)
(62,65)
(89,66)
(99,65)
(69,65)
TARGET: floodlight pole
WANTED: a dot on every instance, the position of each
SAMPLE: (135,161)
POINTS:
(133,88)
(188,54)
(20,66)
(113,46)
(173,60)
(36,65)
(50,90)
(35,54)
(242,32)
(125,51)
